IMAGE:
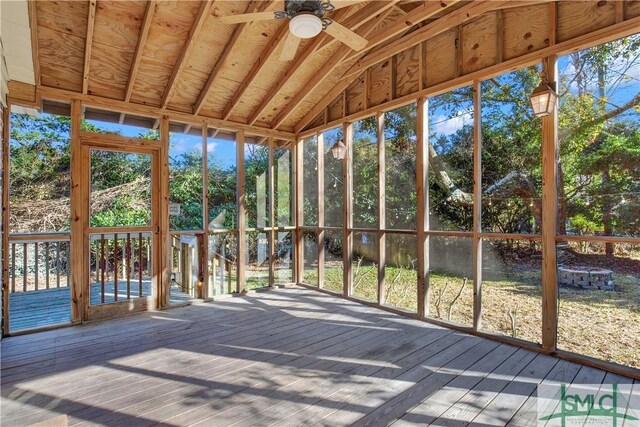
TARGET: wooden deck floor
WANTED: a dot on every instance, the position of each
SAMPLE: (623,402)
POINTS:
(45,307)
(287,357)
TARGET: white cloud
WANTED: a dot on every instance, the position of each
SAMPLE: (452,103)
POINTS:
(444,125)
(211,147)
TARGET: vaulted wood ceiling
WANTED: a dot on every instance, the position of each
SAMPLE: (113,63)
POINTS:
(177,56)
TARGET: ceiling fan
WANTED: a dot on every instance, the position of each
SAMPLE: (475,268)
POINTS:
(307,19)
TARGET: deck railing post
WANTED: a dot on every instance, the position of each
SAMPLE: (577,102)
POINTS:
(422,213)
(240,197)
(549,216)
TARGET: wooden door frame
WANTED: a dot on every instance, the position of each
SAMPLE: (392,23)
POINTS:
(88,141)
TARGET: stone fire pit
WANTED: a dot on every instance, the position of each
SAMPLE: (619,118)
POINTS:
(586,277)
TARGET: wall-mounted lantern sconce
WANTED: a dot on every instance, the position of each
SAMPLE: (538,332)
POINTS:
(543,99)
(339,150)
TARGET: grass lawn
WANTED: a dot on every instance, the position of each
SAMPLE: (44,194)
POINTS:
(601,324)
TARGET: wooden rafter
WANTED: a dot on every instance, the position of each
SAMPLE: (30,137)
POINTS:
(142,39)
(255,6)
(352,22)
(273,47)
(455,18)
(91,20)
(417,16)
(201,17)
(428,31)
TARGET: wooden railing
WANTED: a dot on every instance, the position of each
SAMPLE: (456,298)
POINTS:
(39,261)
(120,266)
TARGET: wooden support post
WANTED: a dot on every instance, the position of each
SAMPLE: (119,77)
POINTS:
(240,196)
(549,215)
(271,223)
(204,250)
(5,221)
(422,193)
(298,210)
(321,232)
(347,180)
(477,208)
(79,218)
(163,247)
(382,222)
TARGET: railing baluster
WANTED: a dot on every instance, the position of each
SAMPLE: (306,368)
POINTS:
(140,264)
(115,267)
(35,260)
(58,264)
(128,265)
(67,255)
(46,263)
(13,267)
(24,267)
(103,263)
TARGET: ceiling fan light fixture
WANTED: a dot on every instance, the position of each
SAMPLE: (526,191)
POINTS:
(305,25)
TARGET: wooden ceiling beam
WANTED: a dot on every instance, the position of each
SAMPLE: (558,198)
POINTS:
(114,105)
(255,6)
(142,39)
(352,22)
(201,17)
(88,43)
(432,29)
(273,47)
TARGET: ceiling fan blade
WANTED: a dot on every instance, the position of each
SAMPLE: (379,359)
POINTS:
(346,36)
(246,17)
(338,4)
(289,47)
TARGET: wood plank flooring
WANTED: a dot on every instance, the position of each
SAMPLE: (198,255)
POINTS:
(52,306)
(287,357)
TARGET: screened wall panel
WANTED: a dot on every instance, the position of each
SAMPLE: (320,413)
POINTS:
(365,174)
(283,189)
(400,167)
(511,154)
(185,178)
(256,172)
(364,268)
(401,275)
(333,262)
(333,181)
(310,180)
(310,248)
(222,175)
(512,288)
(450,279)
(451,160)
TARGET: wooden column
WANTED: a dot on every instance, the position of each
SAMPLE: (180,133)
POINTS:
(241,210)
(6,118)
(422,193)
(271,223)
(549,215)
(204,253)
(320,175)
(477,207)
(163,278)
(382,222)
(298,206)
(347,180)
(79,218)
